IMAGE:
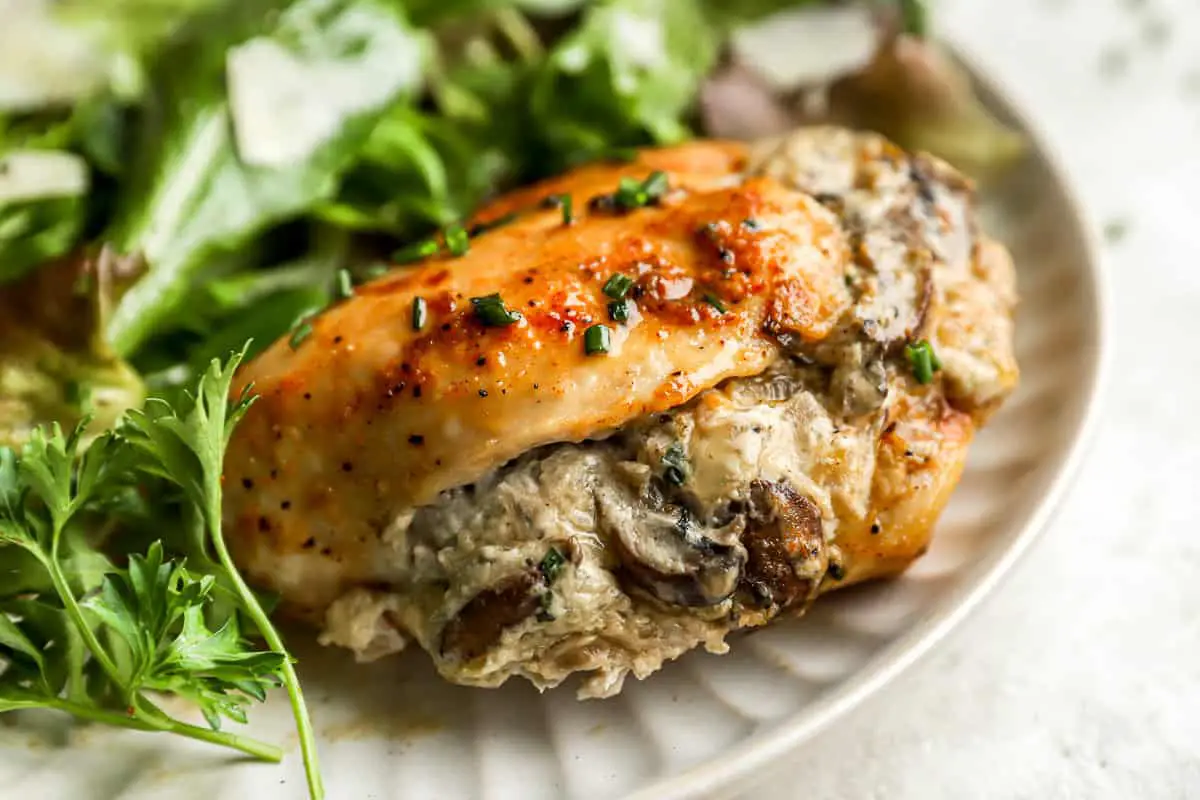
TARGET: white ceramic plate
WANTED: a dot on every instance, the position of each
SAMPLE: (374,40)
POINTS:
(706,725)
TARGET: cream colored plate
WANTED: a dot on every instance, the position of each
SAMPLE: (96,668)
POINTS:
(392,730)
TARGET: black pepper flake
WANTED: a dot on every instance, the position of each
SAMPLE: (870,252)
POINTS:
(725,255)
(337,340)
(416,439)
(285,505)
(528,279)
(347,466)
(309,543)
(326,551)
(308,395)
(247,483)
(567,326)
(264,524)
(483,393)
(836,571)
(751,224)
(481,361)
(875,528)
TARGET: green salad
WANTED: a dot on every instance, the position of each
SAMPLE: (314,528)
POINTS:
(200,176)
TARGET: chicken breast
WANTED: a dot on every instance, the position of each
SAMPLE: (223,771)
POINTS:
(710,385)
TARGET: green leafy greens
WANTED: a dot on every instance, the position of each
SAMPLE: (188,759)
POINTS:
(82,635)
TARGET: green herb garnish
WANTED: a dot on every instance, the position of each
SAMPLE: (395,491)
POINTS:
(416,251)
(632,193)
(619,310)
(597,340)
(618,286)
(552,565)
(345,286)
(457,240)
(98,640)
(301,330)
(491,311)
(420,312)
(568,209)
(715,302)
(675,465)
(923,361)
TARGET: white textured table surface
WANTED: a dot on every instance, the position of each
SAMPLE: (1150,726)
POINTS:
(1080,676)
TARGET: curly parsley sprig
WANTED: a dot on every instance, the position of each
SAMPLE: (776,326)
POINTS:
(82,635)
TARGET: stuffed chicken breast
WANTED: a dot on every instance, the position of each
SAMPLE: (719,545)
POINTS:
(644,406)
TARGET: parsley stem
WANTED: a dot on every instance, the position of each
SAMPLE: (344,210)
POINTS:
(252,747)
(71,606)
(308,742)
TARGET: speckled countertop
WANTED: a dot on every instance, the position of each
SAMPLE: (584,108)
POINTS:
(1080,676)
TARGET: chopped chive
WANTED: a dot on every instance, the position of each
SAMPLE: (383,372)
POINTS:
(656,185)
(420,313)
(629,194)
(568,209)
(618,310)
(416,251)
(617,286)
(597,340)
(301,330)
(345,286)
(491,311)
(923,360)
(715,302)
(675,465)
(457,240)
(751,224)
(552,565)
(632,193)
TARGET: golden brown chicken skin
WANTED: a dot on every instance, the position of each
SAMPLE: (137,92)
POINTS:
(459,456)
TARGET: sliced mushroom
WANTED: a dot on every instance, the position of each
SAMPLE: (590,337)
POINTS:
(668,553)
(785,544)
(859,383)
(485,617)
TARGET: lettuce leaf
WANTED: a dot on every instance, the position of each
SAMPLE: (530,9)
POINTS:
(211,173)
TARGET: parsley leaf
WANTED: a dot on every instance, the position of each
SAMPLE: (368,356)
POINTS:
(82,635)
